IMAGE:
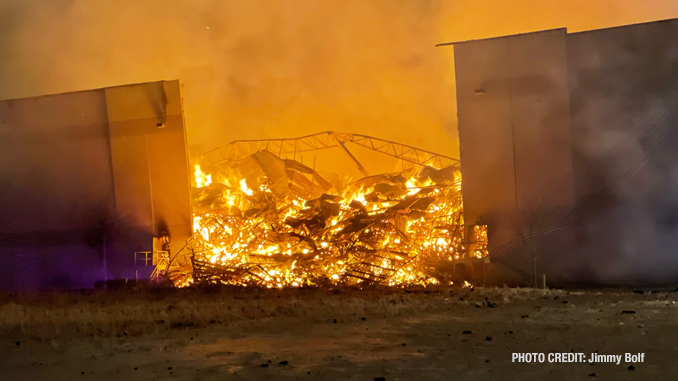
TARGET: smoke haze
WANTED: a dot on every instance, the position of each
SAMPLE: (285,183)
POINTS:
(258,69)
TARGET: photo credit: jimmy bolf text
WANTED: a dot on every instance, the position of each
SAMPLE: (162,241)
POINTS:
(626,358)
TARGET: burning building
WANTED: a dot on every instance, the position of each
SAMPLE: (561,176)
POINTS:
(568,157)
(96,188)
(88,179)
(264,218)
(568,151)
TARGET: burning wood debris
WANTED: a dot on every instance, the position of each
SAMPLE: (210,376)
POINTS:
(266,220)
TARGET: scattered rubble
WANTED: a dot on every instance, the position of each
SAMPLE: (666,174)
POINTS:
(262,218)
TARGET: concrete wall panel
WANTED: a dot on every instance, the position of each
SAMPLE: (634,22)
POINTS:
(486,150)
(515,143)
(624,96)
(75,183)
(150,118)
(593,131)
(540,120)
(54,204)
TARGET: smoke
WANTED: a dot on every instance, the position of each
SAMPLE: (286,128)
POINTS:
(250,69)
(624,97)
(261,68)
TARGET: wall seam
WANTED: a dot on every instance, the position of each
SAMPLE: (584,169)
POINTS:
(513,133)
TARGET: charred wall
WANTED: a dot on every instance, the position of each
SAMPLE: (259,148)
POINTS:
(86,179)
(568,150)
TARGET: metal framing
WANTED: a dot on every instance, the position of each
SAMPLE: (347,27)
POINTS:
(289,147)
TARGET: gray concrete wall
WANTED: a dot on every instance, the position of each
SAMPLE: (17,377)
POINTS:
(515,141)
(486,137)
(76,171)
(582,130)
(56,190)
(150,159)
(624,117)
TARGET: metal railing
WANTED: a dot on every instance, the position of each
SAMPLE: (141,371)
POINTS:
(159,259)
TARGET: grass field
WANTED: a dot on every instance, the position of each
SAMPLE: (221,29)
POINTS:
(346,334)
(152,310)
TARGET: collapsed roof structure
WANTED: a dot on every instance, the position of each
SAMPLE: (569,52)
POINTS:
(262,217)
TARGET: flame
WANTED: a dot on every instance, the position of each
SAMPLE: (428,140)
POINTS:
(244,188)
(201,180)
(254,235)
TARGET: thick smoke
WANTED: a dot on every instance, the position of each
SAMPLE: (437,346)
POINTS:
(250,69)
(266,68)
(624,97)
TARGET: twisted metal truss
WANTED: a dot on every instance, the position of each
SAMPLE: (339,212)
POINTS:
(289,148)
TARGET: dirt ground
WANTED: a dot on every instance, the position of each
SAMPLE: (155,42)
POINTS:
(464,337)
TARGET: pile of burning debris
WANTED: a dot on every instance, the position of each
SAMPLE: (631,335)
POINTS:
(263,218)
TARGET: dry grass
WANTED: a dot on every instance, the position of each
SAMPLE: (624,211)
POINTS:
(155,310)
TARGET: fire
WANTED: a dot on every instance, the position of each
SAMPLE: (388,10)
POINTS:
(244,188)
(201,179)
(279,229)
